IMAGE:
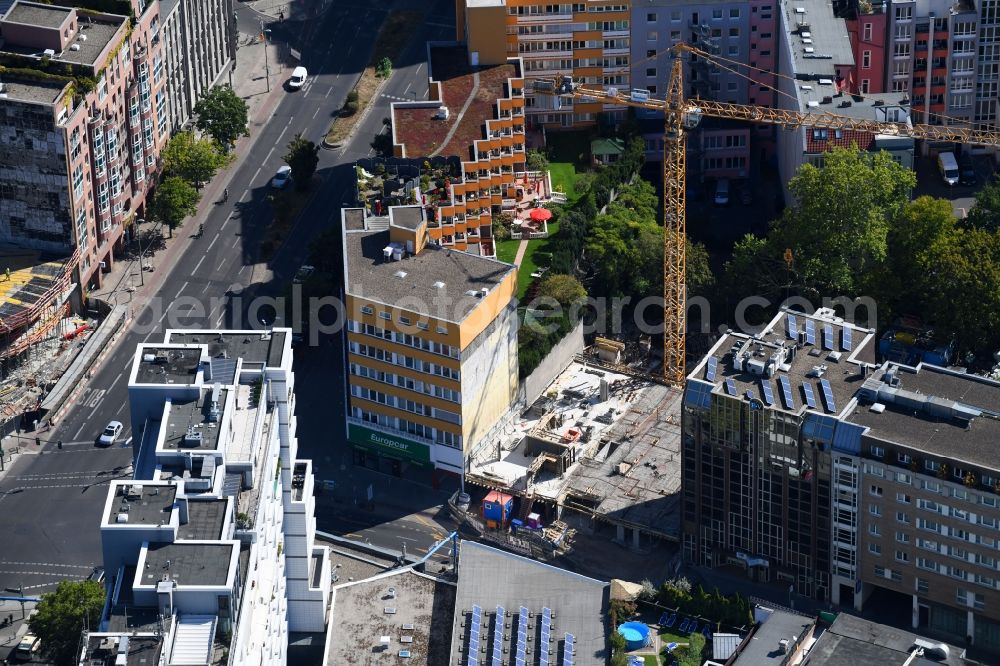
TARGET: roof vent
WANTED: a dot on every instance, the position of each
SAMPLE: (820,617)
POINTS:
(783,646)
(439,285)
(400,274)
(809,49)
(82,37)
(74,47)
(48,52)
(826,82)
(800,10)
(122,517)
(812,105)
(472,292)
(805,87)
(878,407)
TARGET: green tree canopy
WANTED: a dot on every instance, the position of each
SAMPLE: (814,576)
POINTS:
(173,200)
(985,213)
(698,273)
(564,289)
(223,115)
(62,615)
(536,160)
(193,159)
(302,156)
(837,227)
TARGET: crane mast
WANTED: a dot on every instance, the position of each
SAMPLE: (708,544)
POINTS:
(674,229)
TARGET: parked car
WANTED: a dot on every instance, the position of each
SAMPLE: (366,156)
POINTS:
(28,647)
(97,575)
(303,274)
(948,166)
(282,178)
(722,192)
(110,433)
(298,79)
(967,171)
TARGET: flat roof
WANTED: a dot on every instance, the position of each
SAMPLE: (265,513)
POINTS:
(359,618)
(935,411)
(188,563)
(206,518)
(144,504)
(354,219)
(193,416)
(470,102)
(257,349)
(488,578)
(34,92)
(100,31)
(369,275)
(407,217)
(801,359)
(851,641)
(142,651)
(167,365)
(763,647)
(31,13)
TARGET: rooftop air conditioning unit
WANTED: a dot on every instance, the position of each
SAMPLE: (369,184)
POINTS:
(82,37)
(49,52)
(74,47)
(442,114)
(783,646)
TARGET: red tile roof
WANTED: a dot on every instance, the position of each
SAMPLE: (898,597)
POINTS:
(863,140)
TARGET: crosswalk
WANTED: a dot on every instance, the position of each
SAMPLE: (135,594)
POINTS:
(396,98)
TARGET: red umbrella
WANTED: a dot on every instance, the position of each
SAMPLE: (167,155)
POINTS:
(540,214)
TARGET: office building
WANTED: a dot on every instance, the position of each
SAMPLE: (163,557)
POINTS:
(432,345)
(209,547)
(199,49)
(589,41)
(82,121)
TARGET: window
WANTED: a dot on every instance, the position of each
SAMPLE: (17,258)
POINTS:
(650,71)
(902,537)
(366,309)
(931,465)
(902,556)
(675,35)
(651,17)
(868,32)
(734,32)
(878,452)
(675,16)
(903,477)
(405,321)
(651,53)
(865,84)
(874,549)
(922,585)
(716,14)
(734,13)
(903,458)
(880,572)
(903,498)
(652,36)
(734,50)
(902,518)
(731,86)
(866,60)
(78,182)
(873,530)
(875,509)
(819,134)
(442,330)
(875,490)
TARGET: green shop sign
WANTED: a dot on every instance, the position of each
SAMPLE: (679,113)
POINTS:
(389,445)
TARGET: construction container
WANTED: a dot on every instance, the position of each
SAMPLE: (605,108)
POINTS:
(497,507)
(534,521)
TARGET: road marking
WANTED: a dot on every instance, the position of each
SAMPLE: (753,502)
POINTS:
(198,265)
(183,287)
(328,91)
(408,539)
(395,97)
(226,221)
(219,322)
(121,408)
(315,113)
(213,242)
(255,174)
(285,129)
(115,382)
(79,431)
(205,288)
(269,153)
(41,573)
(236,242)
(408,87)
(45,564)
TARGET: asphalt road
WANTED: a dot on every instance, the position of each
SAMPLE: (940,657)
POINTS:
(50,500)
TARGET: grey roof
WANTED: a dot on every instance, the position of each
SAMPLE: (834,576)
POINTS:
(35,92)
(763,648)
(369,275)
(853,641)
(151,505)
(354,219)
(206,518)
(407,217)
(176,366)
(99,33)
(922,416)
(488,578)
(189,563)
(843,373)
(256,348)
(142,651)
(724,645)
(31,13)
(358,618)
(185,414)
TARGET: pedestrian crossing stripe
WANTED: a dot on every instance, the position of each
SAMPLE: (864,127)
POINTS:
(397,98)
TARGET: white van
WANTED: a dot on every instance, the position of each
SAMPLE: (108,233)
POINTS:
(722,192)
(298,79)
(28,647)
(948,166)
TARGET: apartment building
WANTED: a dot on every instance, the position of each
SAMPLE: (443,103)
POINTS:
(589,41)
(758,473)
(199,51)
(82,120)
(475,112)
(868,32)
(932,57)
(816,59)
(209,548)
(928,499)
(432,345)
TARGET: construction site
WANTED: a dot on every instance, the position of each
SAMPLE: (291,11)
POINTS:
(599,450)
(39,335)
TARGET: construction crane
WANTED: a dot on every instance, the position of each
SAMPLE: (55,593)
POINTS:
(682,115)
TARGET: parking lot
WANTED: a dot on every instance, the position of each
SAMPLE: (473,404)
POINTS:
(962,197)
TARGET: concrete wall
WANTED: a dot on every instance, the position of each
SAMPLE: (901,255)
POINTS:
(489,377)
(483,36)
(557,360)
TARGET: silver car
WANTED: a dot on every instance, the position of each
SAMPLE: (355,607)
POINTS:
(110,433)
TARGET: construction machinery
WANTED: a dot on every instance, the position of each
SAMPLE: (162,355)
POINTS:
(681,116)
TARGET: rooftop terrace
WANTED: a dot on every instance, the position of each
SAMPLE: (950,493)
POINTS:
(99,30)
(139,651)
(461,85)
(141,504)
(167,365)
(189,563)
(369,275)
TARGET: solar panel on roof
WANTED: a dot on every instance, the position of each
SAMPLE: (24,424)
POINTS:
(824,385)
(810,332)
(498,636)
(793,326)
(786,391)
(730,386)
(828,337)
(522,635)
(845,339)
(546,637)
(711,369)
(474,624)
(810,396)
(766,392)
(568,650)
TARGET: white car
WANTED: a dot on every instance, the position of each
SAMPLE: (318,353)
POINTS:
(110,433)
(298,79)
(282,178)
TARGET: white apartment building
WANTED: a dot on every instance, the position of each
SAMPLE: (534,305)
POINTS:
(210,548)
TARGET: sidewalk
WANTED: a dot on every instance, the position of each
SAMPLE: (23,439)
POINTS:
(121,286)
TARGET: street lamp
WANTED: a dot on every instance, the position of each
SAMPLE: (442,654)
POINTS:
(267,69)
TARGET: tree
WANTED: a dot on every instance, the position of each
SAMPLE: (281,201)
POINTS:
(384,68)
(985,213)
(698,273)
(564,289)
(302,156)
(193,159)
(837,227)
(501,226)
(906,278)
(382,143)
(222,114)
(173,200)
(691,655)
(536,160)
(63,614)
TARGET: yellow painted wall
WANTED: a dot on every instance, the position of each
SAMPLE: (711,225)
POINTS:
(484,33)
(488,308)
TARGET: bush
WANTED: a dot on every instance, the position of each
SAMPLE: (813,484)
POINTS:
(352,97)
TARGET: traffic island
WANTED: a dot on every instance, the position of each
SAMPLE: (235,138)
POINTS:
(393,37)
